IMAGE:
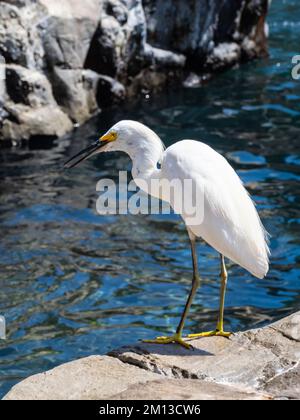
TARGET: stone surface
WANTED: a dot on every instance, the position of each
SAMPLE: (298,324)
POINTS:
(67,31)
(97,52)
(256,364)
(20,42)
(285,385)
(251,359)
(117,49)
(205,32)
(187,389)
(30,108)
(76,92)
(92,378)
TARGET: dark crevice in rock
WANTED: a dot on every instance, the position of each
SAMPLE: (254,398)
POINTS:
(251,14)
(148,362)
(17,89)
(99,57)
(285,335)
(41,142)
(150,367)
(109,91)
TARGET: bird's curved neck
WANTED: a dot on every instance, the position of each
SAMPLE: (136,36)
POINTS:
(146,157)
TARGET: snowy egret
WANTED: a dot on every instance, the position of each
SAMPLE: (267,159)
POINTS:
(230,222)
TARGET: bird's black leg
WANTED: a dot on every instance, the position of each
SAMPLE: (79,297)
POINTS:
(177,337)
(195,284)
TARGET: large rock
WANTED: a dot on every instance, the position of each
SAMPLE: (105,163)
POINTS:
(66,34)
(67,30)
(257,364)
(119,48)
(118,45)
(253,359)
(76,92)
(211,34)
(187,389)
(29,108)
(96,52)
(20,42)
(93,378)
(51,40)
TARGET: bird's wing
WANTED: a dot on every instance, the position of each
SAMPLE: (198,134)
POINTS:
(230,223)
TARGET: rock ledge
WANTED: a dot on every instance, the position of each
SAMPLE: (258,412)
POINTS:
(257,364)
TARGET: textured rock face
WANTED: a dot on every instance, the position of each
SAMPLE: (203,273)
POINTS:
(30,108)
(75,92)
(67,30)
(117,48)
(94,53)
(20,42)
(90,378)
(210,34)
(266,360)
(258,364)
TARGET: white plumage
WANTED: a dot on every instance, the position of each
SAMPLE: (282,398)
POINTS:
(230,222)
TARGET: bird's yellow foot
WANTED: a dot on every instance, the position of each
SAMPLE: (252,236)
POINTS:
(176,338)
(215,333)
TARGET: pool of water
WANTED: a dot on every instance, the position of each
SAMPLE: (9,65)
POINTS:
(74,283)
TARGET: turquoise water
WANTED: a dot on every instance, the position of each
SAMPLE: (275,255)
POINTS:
(75,284)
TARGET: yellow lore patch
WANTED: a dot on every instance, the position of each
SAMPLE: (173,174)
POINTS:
(110,136)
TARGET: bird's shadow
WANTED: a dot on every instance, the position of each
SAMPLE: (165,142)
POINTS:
(148,349)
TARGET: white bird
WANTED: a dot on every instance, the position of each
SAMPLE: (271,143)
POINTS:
(230,222)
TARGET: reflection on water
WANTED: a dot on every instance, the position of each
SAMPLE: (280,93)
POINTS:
(74,283)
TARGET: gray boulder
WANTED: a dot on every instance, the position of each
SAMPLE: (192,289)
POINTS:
(51,40)
(20,42)
(67,31)
(75,92)
(97,52)
(117,49)
(29,107)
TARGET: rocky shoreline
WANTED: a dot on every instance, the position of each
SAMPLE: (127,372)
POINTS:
(261,364)
(67,60)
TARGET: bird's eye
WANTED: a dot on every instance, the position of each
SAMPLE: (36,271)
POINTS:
(158,165)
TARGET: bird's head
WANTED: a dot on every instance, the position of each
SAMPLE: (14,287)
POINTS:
(124,136)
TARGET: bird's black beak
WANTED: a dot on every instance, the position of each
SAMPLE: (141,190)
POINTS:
(84,154)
